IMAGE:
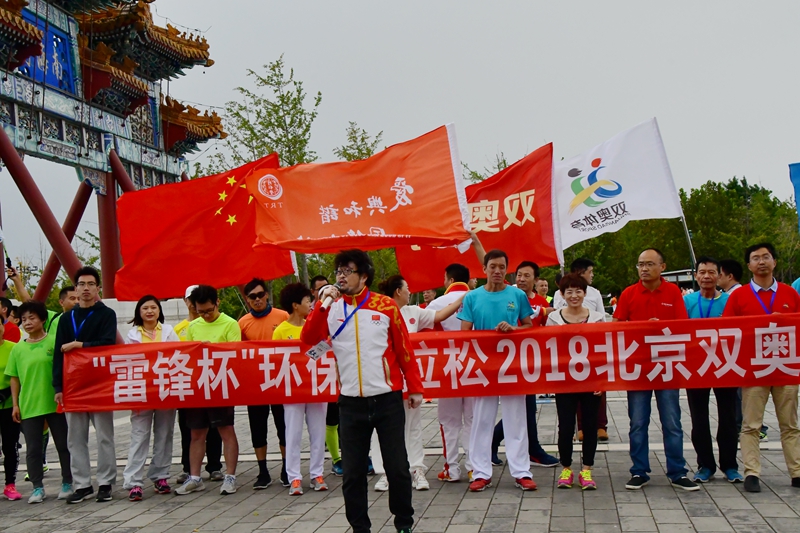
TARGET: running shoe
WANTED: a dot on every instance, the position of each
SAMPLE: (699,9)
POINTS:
(566,479)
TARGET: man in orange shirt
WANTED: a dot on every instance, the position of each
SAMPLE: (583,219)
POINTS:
(258,325)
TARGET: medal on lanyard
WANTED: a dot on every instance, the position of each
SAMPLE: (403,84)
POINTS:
(323,347)
(76,329)
(761,302)
(700,305)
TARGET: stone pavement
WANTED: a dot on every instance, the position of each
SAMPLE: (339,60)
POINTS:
(718,506)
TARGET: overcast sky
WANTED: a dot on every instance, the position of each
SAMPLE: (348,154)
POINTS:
(720,76)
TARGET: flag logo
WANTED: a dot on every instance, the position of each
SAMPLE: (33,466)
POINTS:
(596,192)
(270,187)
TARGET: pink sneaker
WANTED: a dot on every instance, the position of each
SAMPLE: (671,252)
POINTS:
(11,493)
(566,479)
(586,481)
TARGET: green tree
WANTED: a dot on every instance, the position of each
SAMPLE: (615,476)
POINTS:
(359,145)
(474,176)
(273,117)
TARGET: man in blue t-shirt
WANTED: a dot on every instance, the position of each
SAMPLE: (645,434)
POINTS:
(499,307)
(708,302)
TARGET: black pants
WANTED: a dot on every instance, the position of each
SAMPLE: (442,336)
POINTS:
(32,428)
(9,432)
(567,406)
(258,416)
(332,416)
(727,437)
(213,445)
(534,448)
(358,417)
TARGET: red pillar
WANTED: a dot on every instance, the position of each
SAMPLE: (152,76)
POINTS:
(109,239)
(125,182)
(184,177)
(70,227)
(38,205)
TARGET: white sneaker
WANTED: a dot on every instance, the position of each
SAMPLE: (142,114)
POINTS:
(418,480)
(189,486)
(229,485)
(37,496)
(66,491)
(383,484)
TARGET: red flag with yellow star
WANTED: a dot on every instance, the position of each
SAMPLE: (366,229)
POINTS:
(196,232)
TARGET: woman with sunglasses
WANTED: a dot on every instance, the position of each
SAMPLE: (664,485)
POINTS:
(148,326)
(573,288)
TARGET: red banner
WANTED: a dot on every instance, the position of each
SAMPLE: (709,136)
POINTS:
(411,193)
(510,211)
(730,352)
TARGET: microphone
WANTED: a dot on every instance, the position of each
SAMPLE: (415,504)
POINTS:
(329,299)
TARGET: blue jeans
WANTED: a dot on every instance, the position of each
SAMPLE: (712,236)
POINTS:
(669,412)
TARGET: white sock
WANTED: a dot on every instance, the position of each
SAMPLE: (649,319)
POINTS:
(195,478)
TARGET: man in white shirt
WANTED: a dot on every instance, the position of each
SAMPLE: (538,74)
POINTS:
(730,275)
(594,300)
(455,414)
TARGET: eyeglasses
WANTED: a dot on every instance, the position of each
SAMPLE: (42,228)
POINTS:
(344,272)
(257,295)
(760,258)
(87,284)
(648,264)
(206,312)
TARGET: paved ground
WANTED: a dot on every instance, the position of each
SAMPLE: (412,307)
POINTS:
(450,508)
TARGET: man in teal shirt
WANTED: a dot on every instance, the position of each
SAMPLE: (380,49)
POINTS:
(708,302)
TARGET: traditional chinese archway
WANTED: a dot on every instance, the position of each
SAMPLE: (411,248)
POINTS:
(80,84)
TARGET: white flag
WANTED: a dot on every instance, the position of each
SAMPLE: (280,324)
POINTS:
(625,178)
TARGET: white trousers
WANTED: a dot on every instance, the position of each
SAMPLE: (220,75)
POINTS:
(162,424)
(455,422)
(78,444)
(414,447)
(314,414)
(515,429)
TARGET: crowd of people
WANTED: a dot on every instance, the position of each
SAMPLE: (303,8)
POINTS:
(372,428)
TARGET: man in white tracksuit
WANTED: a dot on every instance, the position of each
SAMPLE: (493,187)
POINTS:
(455,414)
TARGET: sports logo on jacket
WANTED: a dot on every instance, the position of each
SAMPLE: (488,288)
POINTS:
(512,306)
(376,319)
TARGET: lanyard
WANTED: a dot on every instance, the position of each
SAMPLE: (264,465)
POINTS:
(761,302)
(707,314)
(76,328)
(348,317)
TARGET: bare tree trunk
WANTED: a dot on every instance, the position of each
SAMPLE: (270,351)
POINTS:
(302,262)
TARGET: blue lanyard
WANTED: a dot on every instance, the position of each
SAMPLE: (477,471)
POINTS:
(700,305)
(76,328)
(348,317)
(771,302)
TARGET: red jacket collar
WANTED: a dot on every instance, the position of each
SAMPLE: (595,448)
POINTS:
(458,286)
(357,299)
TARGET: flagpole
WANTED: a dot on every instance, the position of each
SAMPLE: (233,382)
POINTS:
(689,241)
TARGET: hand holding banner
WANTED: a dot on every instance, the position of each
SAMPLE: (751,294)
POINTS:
(411,192)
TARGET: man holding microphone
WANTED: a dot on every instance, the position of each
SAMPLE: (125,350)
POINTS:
(372,349)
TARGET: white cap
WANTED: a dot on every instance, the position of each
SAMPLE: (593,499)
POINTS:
(189,290)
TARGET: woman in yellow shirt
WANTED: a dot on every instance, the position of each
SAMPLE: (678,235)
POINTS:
(296,298)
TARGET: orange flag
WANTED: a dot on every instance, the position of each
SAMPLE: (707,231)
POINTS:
(410,193)
(512,211)
(194,232)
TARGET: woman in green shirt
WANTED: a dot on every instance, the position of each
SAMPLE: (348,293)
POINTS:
(9,429)
(30,367)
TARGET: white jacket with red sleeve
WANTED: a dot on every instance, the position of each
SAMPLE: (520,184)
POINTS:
(373,351)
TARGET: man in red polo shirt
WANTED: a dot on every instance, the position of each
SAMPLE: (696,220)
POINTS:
(765,296)
(654,298)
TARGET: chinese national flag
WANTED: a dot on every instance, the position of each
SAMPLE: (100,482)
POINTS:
(411,192)
(511,211)
(195,232)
